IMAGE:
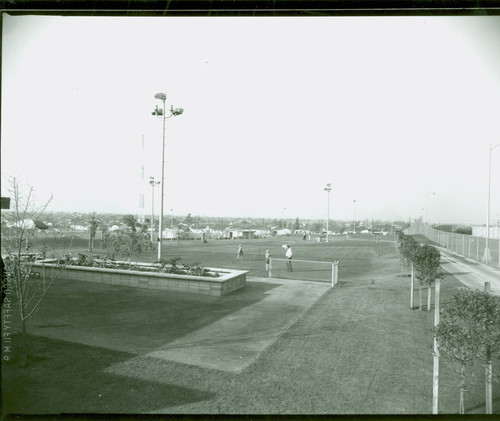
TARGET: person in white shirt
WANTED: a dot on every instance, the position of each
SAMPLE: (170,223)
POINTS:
(268,258)
(288,255)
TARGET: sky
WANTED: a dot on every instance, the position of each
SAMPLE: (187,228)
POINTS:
(397,113)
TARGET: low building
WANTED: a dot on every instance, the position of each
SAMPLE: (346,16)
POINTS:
(284,231)
(240,233)
(302,232)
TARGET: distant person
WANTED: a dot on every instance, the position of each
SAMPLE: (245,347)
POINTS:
(239,255)
(304,237)
(268,259)
(288,255)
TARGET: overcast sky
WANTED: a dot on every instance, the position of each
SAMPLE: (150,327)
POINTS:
(387,109)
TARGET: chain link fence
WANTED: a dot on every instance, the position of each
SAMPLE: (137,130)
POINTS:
(469,246)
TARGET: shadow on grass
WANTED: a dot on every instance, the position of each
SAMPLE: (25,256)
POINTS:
(132,320)
(457,273)
(65,377)
(481,407)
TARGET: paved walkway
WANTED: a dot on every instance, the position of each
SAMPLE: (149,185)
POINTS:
(471,273)
(233,342)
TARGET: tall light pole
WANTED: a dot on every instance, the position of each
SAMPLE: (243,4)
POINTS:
(487,250)
(173,112)
(354,224)
(153,184)
(328,189)
(283,221)
(171,218)
(426,201)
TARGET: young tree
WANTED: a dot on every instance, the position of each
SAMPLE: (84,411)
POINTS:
(475,315)
(131,241)
(485,309)
(408,249)
(188,220)
(104,233)
(402,252)
(453,336)
(93,224)
(426,260)
(130,221)
(27,287)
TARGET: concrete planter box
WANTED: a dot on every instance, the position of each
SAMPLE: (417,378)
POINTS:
(228,281)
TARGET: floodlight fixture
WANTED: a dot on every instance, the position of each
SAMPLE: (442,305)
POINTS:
(176,111)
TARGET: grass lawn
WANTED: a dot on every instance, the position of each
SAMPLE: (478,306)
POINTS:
(358,350)
(357,256)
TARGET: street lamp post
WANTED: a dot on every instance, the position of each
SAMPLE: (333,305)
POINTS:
(328,189)
(153,184)
(487,250)
(283,221)
(354,224)
(426,201)
(173,112)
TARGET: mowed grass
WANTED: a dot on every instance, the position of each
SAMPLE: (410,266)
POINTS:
(358,350)
(356,255)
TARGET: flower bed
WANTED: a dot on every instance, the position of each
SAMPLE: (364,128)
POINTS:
(146,275)
(165,266)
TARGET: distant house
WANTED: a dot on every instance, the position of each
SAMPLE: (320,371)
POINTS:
(240,233)
(301,231)
(170,233)
(24,223)
(284,231)
(196,234)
